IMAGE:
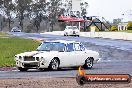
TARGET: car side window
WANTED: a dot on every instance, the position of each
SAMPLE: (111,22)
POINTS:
(70,47)
(82,47)
(77,47)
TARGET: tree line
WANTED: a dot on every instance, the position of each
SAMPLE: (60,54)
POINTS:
(37,11)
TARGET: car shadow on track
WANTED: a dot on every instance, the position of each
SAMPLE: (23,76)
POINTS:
(60,70)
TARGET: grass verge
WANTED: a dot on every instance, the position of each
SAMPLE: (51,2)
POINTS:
(128,31)
(3,34)
(12,46)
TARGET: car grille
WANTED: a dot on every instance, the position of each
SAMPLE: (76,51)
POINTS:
(31,65)
(74,32)
(31,58)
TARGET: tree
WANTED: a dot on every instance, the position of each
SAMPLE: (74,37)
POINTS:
(53,10)
(37,22)
(84,6)
(116,21)
(68,7)
(37,9)
(7,6)
(129,26)
(62,25)
(22,7)
(114,28)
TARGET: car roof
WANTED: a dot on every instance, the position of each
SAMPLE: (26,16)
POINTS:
(63,41)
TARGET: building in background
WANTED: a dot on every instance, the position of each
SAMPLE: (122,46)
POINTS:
(122,26)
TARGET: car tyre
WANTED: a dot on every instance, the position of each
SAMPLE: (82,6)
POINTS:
(80,80)
(22,69)
(41,69)
(54,65)
(88,63)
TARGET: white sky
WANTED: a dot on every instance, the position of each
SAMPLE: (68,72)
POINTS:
(110,9)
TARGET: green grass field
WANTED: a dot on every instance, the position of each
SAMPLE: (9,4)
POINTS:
(3,34)
(128,31)
(11,46)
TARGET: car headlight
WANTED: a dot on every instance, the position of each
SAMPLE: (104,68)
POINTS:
(43,60)
(37,58)
(16,58)
(20,57)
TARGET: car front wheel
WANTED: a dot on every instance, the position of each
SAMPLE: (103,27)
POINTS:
(88,63)
(54,65)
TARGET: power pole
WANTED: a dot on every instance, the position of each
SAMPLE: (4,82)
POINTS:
(84,17)
(1,25)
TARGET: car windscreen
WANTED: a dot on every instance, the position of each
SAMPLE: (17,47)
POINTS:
(51,46)
(69,27)
(73,28)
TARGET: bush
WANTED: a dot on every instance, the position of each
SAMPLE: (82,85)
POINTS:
(114,28)
(129,26)
(96,29)
(29,28)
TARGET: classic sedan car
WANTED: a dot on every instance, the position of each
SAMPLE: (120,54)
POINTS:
(57,54)
(71,30)
(15,29)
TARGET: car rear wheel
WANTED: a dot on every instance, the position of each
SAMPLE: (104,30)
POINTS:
(88,63)
(54,65)
(22,69)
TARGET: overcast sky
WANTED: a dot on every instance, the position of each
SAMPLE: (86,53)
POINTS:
(110,9)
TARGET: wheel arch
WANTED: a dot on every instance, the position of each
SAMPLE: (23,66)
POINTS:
(57,58)
(85,64)
(49,67)
(90,58)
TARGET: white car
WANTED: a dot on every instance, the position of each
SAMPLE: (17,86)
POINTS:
(57,54)
(15,29)
(71,30)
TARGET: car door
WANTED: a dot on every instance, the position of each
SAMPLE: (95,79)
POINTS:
(81,55)
(67,57)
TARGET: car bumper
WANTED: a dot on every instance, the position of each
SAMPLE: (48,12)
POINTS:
(32,64)
(72,34)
